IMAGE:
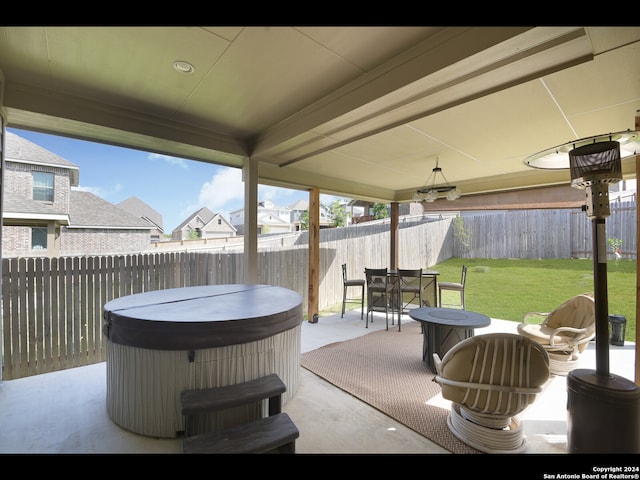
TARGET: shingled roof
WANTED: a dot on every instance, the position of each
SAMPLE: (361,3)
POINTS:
(90,211)
(137,207)
(18,207)
(204,213)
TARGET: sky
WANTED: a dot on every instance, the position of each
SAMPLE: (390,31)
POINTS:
(174,187)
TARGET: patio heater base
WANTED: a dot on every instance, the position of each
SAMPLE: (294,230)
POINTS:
(603,413)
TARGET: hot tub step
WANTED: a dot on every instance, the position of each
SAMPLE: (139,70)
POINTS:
(208,400)
(276,432)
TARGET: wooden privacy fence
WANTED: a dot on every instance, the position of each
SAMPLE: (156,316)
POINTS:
(52,307)
(562,233)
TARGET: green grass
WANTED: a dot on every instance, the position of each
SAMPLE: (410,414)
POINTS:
(507,289)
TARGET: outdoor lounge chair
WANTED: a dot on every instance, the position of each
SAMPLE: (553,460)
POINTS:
(490,379)
(564,333)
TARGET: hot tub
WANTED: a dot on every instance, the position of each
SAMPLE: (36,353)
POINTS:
(163,342)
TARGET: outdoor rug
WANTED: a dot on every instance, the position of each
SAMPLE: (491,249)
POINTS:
(385,370)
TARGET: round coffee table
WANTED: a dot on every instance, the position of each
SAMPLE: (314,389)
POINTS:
(442,328)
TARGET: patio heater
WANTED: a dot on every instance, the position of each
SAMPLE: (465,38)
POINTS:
(603,409)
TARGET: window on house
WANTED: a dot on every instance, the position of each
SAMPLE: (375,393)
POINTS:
(38,238)
(43,186)
(219,221)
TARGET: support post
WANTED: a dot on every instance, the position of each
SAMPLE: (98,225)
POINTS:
(393,234)
(314,255)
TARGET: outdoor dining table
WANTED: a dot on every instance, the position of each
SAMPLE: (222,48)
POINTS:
(162,342)
(443,328)
(429,286)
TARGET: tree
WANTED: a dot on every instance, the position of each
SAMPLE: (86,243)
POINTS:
(380,210)
(338,213)
(304,220)
(462,233)
(615,244)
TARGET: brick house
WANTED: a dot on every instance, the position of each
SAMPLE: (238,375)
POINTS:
(44,216)
(204,223)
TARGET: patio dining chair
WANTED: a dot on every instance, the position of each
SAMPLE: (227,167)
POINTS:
(453,286)
(348,283)
(409,290)
(379,293)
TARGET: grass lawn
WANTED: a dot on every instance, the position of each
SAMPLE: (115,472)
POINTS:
(507,289)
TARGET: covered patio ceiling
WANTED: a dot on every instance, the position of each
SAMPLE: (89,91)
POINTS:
(359,112)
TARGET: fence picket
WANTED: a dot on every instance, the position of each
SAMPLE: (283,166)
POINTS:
(39,316)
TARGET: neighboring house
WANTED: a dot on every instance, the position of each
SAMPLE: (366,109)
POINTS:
(362,211)
(99,227)
(301,206)
(355,211)
(137,207)
(204,224)
(43,216)
(297,209)
(269,222)
(271,219)
(624,191)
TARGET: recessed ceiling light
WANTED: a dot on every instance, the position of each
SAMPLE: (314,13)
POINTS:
(183,67)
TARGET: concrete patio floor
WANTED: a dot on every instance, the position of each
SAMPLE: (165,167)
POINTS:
(65,412)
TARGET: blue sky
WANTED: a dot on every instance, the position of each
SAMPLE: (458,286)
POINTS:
(174,187)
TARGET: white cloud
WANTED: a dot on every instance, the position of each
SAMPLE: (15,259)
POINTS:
(100,191)
(281,197)
(225,189)
(224,193)
(180,162)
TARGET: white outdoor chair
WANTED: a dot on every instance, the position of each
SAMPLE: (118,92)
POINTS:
(564,333)
(490,379)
